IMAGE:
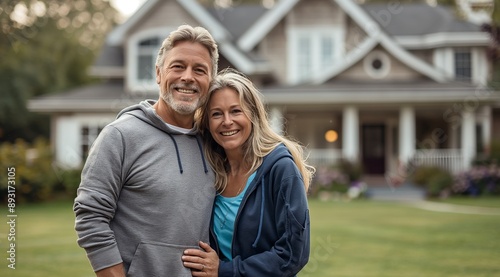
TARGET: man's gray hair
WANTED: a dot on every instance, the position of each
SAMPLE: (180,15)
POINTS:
(193,34)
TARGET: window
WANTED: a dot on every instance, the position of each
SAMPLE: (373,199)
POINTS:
(463,64)
(377,64)
(88,135)
(142,50)
(147,51)
(313,50)
(304,57)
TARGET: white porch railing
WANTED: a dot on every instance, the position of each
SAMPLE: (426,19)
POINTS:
(448,159)
(323,157)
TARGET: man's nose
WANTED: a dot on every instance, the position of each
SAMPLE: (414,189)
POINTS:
(187,75)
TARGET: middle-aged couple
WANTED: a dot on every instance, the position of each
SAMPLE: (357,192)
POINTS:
(147,204)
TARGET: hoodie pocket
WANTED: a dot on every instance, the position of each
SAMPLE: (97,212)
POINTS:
(298,239)
(156,259)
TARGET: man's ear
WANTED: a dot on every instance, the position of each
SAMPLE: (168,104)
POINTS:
(158,77)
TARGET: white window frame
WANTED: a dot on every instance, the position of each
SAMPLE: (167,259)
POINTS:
(315,33)
(133,83)
(383,71)
(444,59)
(471,63)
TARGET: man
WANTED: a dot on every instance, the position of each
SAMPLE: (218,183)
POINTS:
(146,193)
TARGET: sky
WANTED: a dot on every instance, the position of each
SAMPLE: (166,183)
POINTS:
(127,7)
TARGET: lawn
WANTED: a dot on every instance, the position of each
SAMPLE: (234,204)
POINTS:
(360,238)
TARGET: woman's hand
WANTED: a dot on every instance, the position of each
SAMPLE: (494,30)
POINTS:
(203,262)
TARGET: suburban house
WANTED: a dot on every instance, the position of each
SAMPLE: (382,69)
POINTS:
(383,85)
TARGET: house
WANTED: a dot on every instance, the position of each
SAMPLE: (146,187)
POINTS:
(383,85)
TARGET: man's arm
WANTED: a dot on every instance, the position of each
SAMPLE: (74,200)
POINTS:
(112,271)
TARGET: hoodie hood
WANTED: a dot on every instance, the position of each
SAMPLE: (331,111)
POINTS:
(280,152)
(144,111)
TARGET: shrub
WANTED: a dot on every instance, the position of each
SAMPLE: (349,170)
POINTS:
(433,179)
(36,177)
(483,179)
(342,178)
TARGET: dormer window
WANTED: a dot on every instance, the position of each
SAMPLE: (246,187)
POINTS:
(142,50)
(146,55)
(313,50)
(463,64)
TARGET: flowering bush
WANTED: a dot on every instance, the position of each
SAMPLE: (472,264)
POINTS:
(341,179)
(479,180)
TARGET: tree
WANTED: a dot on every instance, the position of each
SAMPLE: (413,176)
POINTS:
(46,47)
(493,29)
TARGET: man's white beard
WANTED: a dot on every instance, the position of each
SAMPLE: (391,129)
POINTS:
(179,107)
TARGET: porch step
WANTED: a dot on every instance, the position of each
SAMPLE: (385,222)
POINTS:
(404,192)
(379,189)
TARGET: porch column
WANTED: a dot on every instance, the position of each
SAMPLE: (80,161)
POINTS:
(486,128)
(468,138)
(350,133)
(406,134)
(276,119)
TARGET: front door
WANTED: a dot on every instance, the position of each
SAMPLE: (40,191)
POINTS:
(373,149)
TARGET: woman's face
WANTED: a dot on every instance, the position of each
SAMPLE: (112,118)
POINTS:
(228,124)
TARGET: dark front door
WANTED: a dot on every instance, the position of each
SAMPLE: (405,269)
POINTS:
(373,149)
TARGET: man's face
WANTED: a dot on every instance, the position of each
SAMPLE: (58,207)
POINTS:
(184,77)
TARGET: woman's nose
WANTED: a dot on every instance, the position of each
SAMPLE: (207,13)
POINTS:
(228,120)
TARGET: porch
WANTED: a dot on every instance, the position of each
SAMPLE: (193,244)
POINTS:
(450,160)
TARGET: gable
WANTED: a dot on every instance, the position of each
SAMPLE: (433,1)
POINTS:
(164,13)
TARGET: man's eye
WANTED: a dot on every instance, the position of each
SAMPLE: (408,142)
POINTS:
(201,71)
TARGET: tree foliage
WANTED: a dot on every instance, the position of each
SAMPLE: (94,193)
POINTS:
(493,29)
(46,47)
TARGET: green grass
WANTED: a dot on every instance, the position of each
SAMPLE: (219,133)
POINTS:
(360,238)
(46,243)
(483,201)
(367,239)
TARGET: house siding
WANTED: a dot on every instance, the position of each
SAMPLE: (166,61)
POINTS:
(316,12)
(274,49)
(354,35)
(398,71)
(164,14)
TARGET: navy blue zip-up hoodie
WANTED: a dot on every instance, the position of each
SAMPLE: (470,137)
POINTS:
(271,234)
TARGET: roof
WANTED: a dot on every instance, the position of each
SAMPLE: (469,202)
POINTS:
(110,56)
(418,19)
(239,18)
(101,97)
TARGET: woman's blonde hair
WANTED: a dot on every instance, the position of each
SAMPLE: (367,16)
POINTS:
(262,138)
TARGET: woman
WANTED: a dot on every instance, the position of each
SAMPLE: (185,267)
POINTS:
(260,223)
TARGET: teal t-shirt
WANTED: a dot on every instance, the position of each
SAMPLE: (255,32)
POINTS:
(225,211)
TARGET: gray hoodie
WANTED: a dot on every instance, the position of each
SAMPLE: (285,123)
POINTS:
(145,196)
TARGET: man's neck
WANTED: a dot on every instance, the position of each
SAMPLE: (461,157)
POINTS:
(172,117)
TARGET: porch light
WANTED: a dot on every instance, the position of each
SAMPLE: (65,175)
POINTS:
(331,136)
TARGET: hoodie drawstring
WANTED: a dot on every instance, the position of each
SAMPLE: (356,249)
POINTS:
(177,152)
(202,155)
(262,205)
